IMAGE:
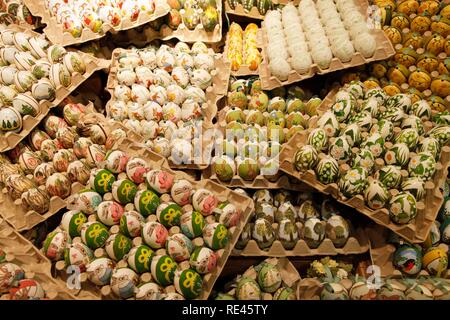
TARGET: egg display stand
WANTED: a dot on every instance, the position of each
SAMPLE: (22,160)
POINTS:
(214,92)
(21,252)
(10,140)
(357,243)
(383,51)
(415,231)
(55,30)
(244,70)
(382,253)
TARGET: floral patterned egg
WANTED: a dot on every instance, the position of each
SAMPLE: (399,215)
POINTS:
(200,78)
(179,247)
(109,212)
(165,60)
(248,289)
(72,221)
(390,176)
(10,275)
(342,109)
(374,143)
(146,202)
(408,136)
(384,127)
(353,182)
(371,105)
(400,100)
(94,234)
(363,119)
(149,291)
(305,158)
(169,214)
(163,270)
(269,277)
(139,258)
(160,181)
(337,230)
(340,149)
(313,232)
(376,195)
(78,254)
(154,234)
(203,260)
(415,186)
(287,233)
(397,155)
(402,208)
(327,170)
(364,158)
(440,133)
(29,161)
(215,235)
(55,243)
(422,165)
(408,258)
(263,233)
(329,123)
(435,261)
(318,139)
(413,122)
(58,185)
(352,134)
(285,211)
(123,282)
(430,145)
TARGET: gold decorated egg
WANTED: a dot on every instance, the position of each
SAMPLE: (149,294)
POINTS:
(394,34)
(414,40)
(437,103)
(379,69)
(435,44)
(441,85)
(415,94)
(371,83)
(392,88)
(400,21)
(428,61)
(445,11)
(408,6)
(421,23)
(430,6)
(441,26)
(398,74)
(444,66)
(406,56)
(419,79)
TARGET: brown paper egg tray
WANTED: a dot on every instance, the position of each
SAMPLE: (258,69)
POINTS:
(55,32)
(22,252)
(244,70)
(239,11)
(11,139)
(382,253)
(217,90)
(357,243)
(383,51)
(242,202)
(417,230)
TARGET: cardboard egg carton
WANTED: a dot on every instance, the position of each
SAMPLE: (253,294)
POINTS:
(415,231)
(55,31)
(244,70)
(383,51)
(36,266)
(357,243)
(240,11)
(10,140)
(217,89)
(382,253)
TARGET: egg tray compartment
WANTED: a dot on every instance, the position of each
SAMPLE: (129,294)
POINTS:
(55,31)
(383,51)
(10,140)
(36,266)
(244,70)
(214,92)
(382,253)
(240,11)
(243,203)
(357,243)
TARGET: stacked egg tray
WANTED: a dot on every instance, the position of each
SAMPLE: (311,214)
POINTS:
(383,51)
(11,139)
(182,33)
(240,11)
(37,267)
(217,89)
(54,30)
(417,230)
(15,213)
(290,278)
(155,161)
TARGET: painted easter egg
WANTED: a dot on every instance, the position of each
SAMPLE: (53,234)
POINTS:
(203,260)
(305,158)
(139,258)
(285,211)
(181,192)
(130,223)
(318,139)
(352,134)
(154,234)
(123,191)
(334,291)
(224,168)
(329,124)
(313,232)
(188,283)
(435,261)
(160,181)
(364,159)
(204,201)
(94,234)
(146,202)
(402,208)
(327,170)
(163,270)
(340,149)
(263,233)
(109,212)
(384,127)
(415,186)
(337,230)
(87,201)
(269,277)
(440,133)
(228,215)
(408,136)
(117,246)
(430,145)
(215,235)
(78,254)
(397,155)
(72,221)
(149,291)
(287,234)
(422,166)
(390,176)
(374,143)
(116,161)
(55,243)
(179,247)
(123,282)
(169,214)
(248,289)
(408,258)
(376,195)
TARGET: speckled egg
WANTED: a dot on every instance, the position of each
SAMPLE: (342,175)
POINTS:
(313,232)
(327,170)
(55,243)
(422,165)
(146,202)
(402,208)
(72,221)
(154,234)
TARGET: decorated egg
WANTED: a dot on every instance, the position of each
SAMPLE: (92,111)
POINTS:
(36,199)
(163,270)
(440,133)
(284,293)
(402,208)
(340,149)
(313,232)
(397,155)
(285,211)
(192,224)
(78,254)
(362,291)
(117,246)
(228,214)
(408,136)
(430,145)
(94,234)
(204,201)
(154,234)
(384,127)
(139,258)
(247,168)
(318,139)
(72,221)
(124,191)
(390,176)
(307,210)
(188,283)
(169,214)
(248,289)
(413,122)
(245,236)
(116,161)
(337,230)
(445,231)
(78,171)
(287,234)
(95,154)
(123,282)
(391,291)
(215,235)
(146,202)
(374,143)
(179,247)
(109,212)
(160,181)
(327,170)
(435,261)
(61,160)
(269,277)
(415,186)
(149,291)
(422,165)
(364,159)
(87,201)
(203,260)
(334,291)
(342,109)
(29,161)
(10,275)
(42,172)
(10,118)
(58,185)
(376,195)
(55,243)
(408,258)
(130,223)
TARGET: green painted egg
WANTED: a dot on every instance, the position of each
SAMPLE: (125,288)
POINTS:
(263,233)
(306,158)
(401,101)
(340,149)
(415,186)
(430,145)
(329,123)
(376,195)
(408,258)
(215,235)
(394,114)
(131,223)
(441,133)
(192,224)
(390,176)
(318,139)
(248,289)
(285,293)
(163,270)
(353,182)
(402,208)
(384,127)
(444,212)
(422,165)
(342,109)
(413,122)
(363,119)
(295,105)
(72,221)
(224,168)
(146,202)
(442,118)
(352,134)
(188,283)
(408,136)
(203,260)
(101,180)
(139,258)
(313,232)
(375,144)
(94,234)
(247,168)
(235,114)
(78,254)
(117,246)
(356,88)
(397,155)
(169,214)
(237,99)
(55,243)
(124,190)
(327,170)
(269,277)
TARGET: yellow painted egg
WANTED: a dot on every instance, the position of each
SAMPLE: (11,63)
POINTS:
(428,61)
(441,26)
(445,11)
(437,103)
(444,66)
(435,44)
(394,34)
(406,56)
(441,85)
(414,39)
(421,23)
(400,21)
(419,79)
(430,6)
(392,88)
(398,74)
(378,69)
(416,95)
(408,6)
